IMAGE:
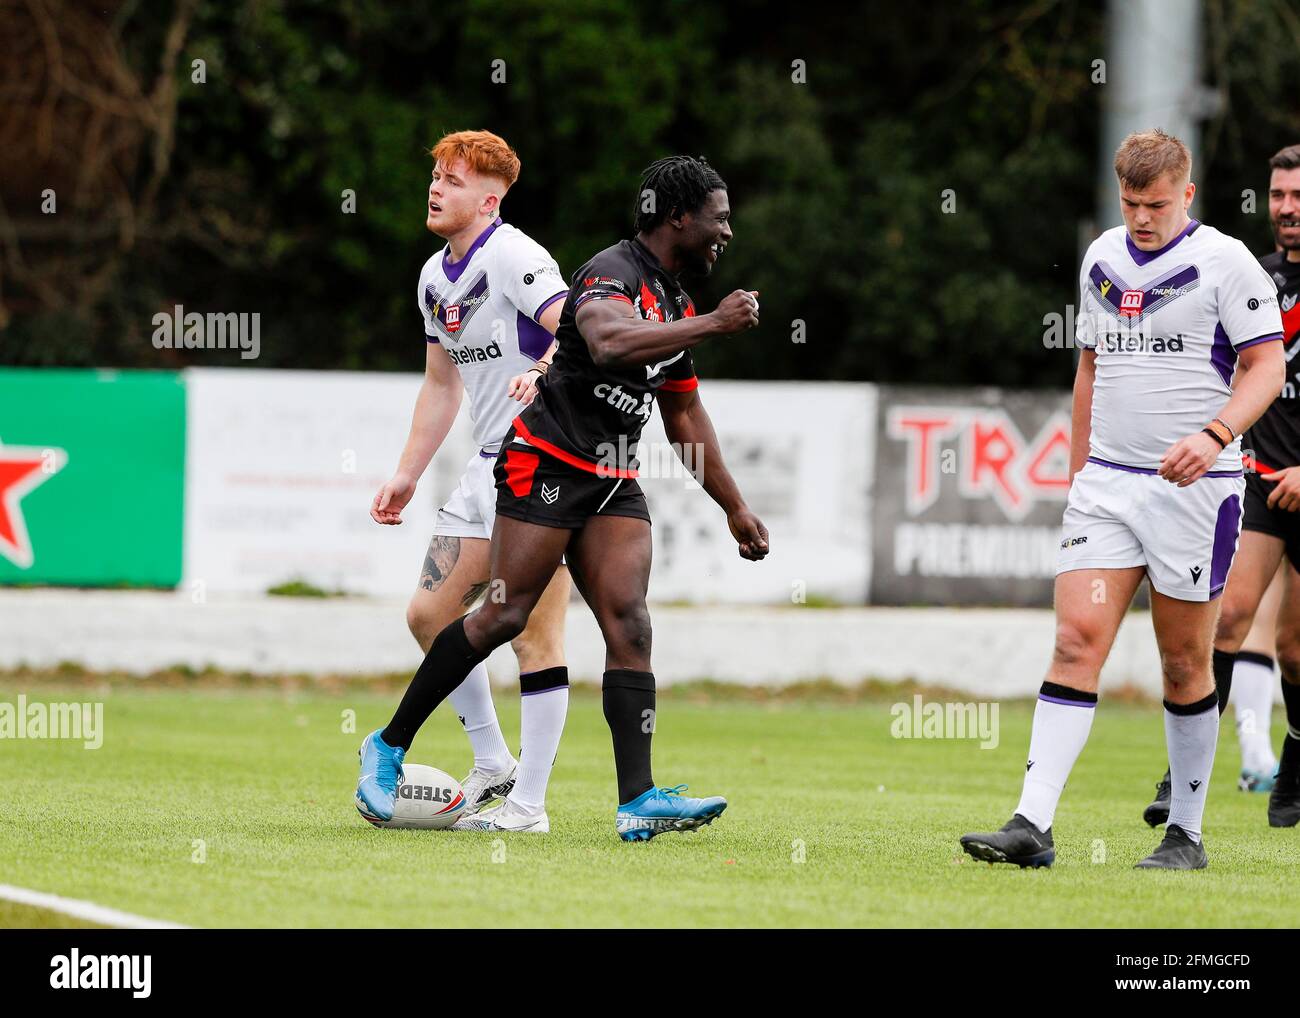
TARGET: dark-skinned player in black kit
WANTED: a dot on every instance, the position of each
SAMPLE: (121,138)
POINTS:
(567,488)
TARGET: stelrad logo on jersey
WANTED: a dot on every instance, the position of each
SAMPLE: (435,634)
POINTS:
(474,354)
(1138,342)
(1167,327)
(1125,326)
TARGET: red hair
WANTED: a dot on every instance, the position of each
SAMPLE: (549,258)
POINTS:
(482,151)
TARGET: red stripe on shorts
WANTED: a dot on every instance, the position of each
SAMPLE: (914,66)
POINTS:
(520,467)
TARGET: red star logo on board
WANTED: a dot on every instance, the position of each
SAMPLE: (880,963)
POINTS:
(22,468)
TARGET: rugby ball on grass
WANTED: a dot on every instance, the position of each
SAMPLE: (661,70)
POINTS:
(427,799)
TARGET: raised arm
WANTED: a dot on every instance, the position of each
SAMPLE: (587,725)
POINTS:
(618,337)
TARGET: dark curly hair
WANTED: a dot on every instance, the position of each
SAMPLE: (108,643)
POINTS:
(680,184)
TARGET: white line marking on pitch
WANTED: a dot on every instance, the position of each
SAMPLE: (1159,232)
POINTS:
(85,910)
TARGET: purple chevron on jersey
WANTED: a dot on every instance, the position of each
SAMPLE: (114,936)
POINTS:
(452,317)
(1109,288)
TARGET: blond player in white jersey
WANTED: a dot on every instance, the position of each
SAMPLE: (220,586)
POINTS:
(1181,337)
(491,302)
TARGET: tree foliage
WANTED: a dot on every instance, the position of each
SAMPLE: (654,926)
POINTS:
(914,202)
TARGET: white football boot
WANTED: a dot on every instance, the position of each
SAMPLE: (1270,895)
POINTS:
(506,817)
(481,787)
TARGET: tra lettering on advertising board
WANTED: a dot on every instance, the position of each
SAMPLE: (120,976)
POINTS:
(970,486)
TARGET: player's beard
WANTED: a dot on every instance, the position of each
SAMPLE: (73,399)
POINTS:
(448,224)
(1294,244)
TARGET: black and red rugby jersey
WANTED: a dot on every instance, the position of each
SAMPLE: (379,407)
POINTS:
(591,417)
(1273,441)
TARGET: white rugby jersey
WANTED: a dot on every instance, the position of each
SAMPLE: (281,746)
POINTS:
(483,309)
(1167,326)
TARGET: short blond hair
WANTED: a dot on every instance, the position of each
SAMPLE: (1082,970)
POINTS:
(1146,156)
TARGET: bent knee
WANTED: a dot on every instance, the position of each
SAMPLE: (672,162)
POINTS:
(1185,670)
(1288,659)
(1078,646)
(535,652)
(1234,623)
(628,624)
(501,623)
(423,621)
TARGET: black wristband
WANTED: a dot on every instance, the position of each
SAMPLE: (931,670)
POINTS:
(1214,435)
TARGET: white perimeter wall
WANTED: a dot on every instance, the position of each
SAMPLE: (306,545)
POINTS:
(983,652)
(281,467)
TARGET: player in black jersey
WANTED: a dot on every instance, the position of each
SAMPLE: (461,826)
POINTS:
(1271,525)
(566,478)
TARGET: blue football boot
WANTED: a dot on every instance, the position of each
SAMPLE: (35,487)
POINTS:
(1257,781)
(665,809)
(381,773)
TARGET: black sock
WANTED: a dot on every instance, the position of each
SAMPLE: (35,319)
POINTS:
(629,699)
(1291,697)
(1260,659)
(449,660)
(1223,664)
(1289,763)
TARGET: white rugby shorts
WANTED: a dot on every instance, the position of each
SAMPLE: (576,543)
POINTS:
(472,508)
(1120,516)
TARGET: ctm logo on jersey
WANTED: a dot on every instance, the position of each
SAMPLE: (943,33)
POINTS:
(991,458)
(625,402)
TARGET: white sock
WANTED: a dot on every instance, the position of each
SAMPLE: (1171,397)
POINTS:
(1062,721)
(543,704)
(1253,684)
(472,701)
(1192,735)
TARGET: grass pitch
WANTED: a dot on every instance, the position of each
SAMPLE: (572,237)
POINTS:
(233,807)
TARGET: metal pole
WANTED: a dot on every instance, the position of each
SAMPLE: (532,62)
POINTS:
(1153,71)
